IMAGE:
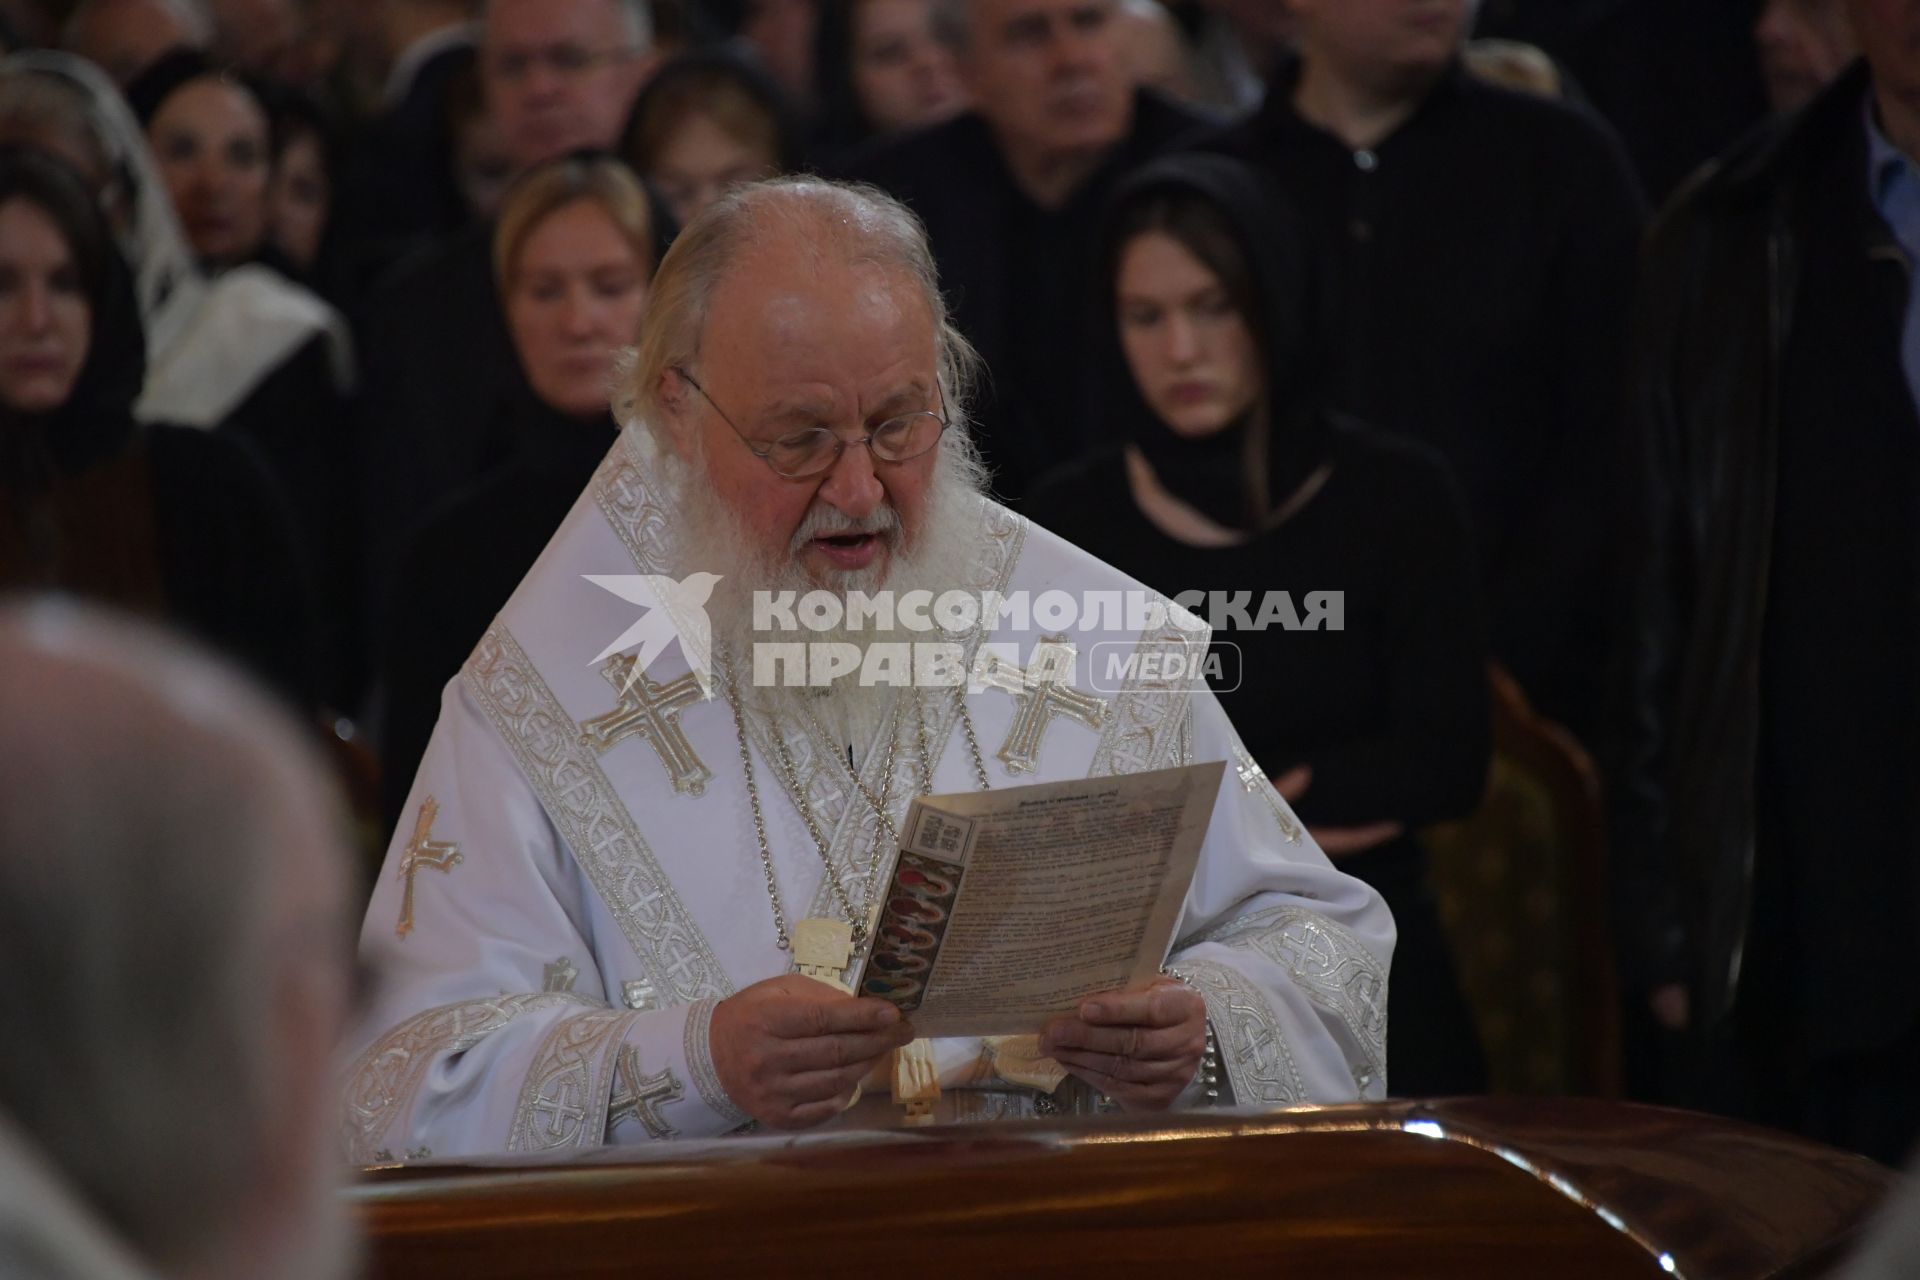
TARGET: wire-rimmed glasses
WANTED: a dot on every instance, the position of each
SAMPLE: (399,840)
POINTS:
(813,450)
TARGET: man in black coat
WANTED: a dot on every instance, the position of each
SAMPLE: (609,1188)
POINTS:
(1479,249)
(1012,194)
(1767,818)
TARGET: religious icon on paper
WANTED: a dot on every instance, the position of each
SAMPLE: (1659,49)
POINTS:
(907,942)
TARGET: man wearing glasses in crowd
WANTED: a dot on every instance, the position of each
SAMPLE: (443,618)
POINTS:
(558,75)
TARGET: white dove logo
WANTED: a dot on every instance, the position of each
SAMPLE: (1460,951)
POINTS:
(673,609)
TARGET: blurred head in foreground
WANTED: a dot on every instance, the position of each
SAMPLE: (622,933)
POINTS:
(174,956)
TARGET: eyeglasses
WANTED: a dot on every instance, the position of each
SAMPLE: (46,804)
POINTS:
(564,61)
(812,450)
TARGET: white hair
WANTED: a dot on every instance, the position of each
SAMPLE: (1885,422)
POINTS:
(153,809)
(861,223)
(710,536)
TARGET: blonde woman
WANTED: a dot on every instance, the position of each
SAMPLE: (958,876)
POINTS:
(573,253)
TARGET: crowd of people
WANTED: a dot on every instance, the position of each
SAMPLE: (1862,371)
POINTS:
(310,316)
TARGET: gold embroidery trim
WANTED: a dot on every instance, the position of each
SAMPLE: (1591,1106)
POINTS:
(588,812)
(1252,1045)
(384,1079)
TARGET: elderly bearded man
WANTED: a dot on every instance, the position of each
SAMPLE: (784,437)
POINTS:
(580,930)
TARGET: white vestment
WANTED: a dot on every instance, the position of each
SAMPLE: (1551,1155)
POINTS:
(558,915)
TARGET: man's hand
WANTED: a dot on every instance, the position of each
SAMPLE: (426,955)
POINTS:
(1140,1048)
(789,1051)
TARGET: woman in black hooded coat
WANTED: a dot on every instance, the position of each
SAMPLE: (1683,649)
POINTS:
(170,522)
(1230,478)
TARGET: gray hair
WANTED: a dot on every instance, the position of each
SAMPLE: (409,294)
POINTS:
(862,224)
(637,13)
(153,811)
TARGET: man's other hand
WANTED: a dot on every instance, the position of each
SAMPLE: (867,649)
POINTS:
(789,1051)
(1141,1048)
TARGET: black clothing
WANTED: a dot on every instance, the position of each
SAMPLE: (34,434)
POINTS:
(1767,820)
(1479,271)
(231,562)
(399,192)
(1679,82)
(840,126)
(1213,473)
(437,367)
(1390,710)
(297,422)
(1019,278)
(1391,713)
(460,566)
(177,524)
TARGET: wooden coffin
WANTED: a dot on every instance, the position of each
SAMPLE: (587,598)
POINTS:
(1480,1187)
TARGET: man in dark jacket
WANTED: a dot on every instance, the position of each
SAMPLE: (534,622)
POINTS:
(1479,248)
(1767,815)
(1012,194)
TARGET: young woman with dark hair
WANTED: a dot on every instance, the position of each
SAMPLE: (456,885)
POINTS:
(1230,479)
(170,522)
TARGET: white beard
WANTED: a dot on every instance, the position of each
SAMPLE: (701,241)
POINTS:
(713,537)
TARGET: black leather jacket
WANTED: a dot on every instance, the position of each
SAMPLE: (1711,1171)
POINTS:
(1719,278)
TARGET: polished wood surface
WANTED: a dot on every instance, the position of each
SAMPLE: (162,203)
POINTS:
(1481,1187)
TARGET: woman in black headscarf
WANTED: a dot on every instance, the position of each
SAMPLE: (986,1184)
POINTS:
(168,522)
(880,69)
(1371,715)
(235,349)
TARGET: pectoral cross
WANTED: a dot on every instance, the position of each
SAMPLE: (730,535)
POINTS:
(650,710)
(822,950)
(423,851)
(641,1097)
(1041,692)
